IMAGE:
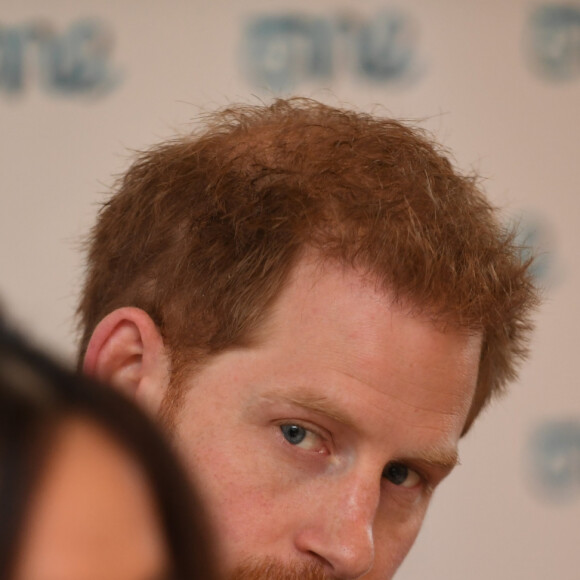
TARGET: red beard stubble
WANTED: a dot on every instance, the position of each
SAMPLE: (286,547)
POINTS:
(257,569)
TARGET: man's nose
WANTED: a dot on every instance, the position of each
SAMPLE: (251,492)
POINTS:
(339,529)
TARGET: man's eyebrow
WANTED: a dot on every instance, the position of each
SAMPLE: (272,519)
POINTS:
(315,403)
(443,458)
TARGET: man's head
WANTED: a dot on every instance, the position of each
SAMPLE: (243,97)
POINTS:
(324,273)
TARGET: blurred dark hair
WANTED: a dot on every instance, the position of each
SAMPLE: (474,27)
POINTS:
(36,395)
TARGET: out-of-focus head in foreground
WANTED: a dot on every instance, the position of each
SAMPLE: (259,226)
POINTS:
(317,304)
(88,488)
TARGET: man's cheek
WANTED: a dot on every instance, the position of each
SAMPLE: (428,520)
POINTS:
(233,467)
(391,525)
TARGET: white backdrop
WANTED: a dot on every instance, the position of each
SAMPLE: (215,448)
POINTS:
(83,83)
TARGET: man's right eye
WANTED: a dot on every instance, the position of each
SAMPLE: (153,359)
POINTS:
(293,433)
(301,437)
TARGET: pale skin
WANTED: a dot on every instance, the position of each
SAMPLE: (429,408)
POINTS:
(323,441)
(92,516)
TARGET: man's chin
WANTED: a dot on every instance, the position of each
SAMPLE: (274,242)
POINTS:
(258,569)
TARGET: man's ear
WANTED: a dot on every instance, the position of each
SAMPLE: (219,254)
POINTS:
(126,350)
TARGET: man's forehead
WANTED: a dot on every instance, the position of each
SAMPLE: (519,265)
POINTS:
(313,271)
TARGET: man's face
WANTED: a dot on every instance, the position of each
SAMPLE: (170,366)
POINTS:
(323,442)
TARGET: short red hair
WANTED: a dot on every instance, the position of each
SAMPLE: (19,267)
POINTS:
(204,229)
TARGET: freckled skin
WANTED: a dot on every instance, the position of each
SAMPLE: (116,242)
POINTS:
(379,385)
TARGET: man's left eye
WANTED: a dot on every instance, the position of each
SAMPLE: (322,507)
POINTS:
(301,437)
(399,474)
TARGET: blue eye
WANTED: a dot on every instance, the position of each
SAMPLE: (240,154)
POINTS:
(303,438)
(294,434)
(396,473)
(401,475)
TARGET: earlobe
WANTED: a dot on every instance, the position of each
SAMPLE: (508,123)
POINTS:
(126,350)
